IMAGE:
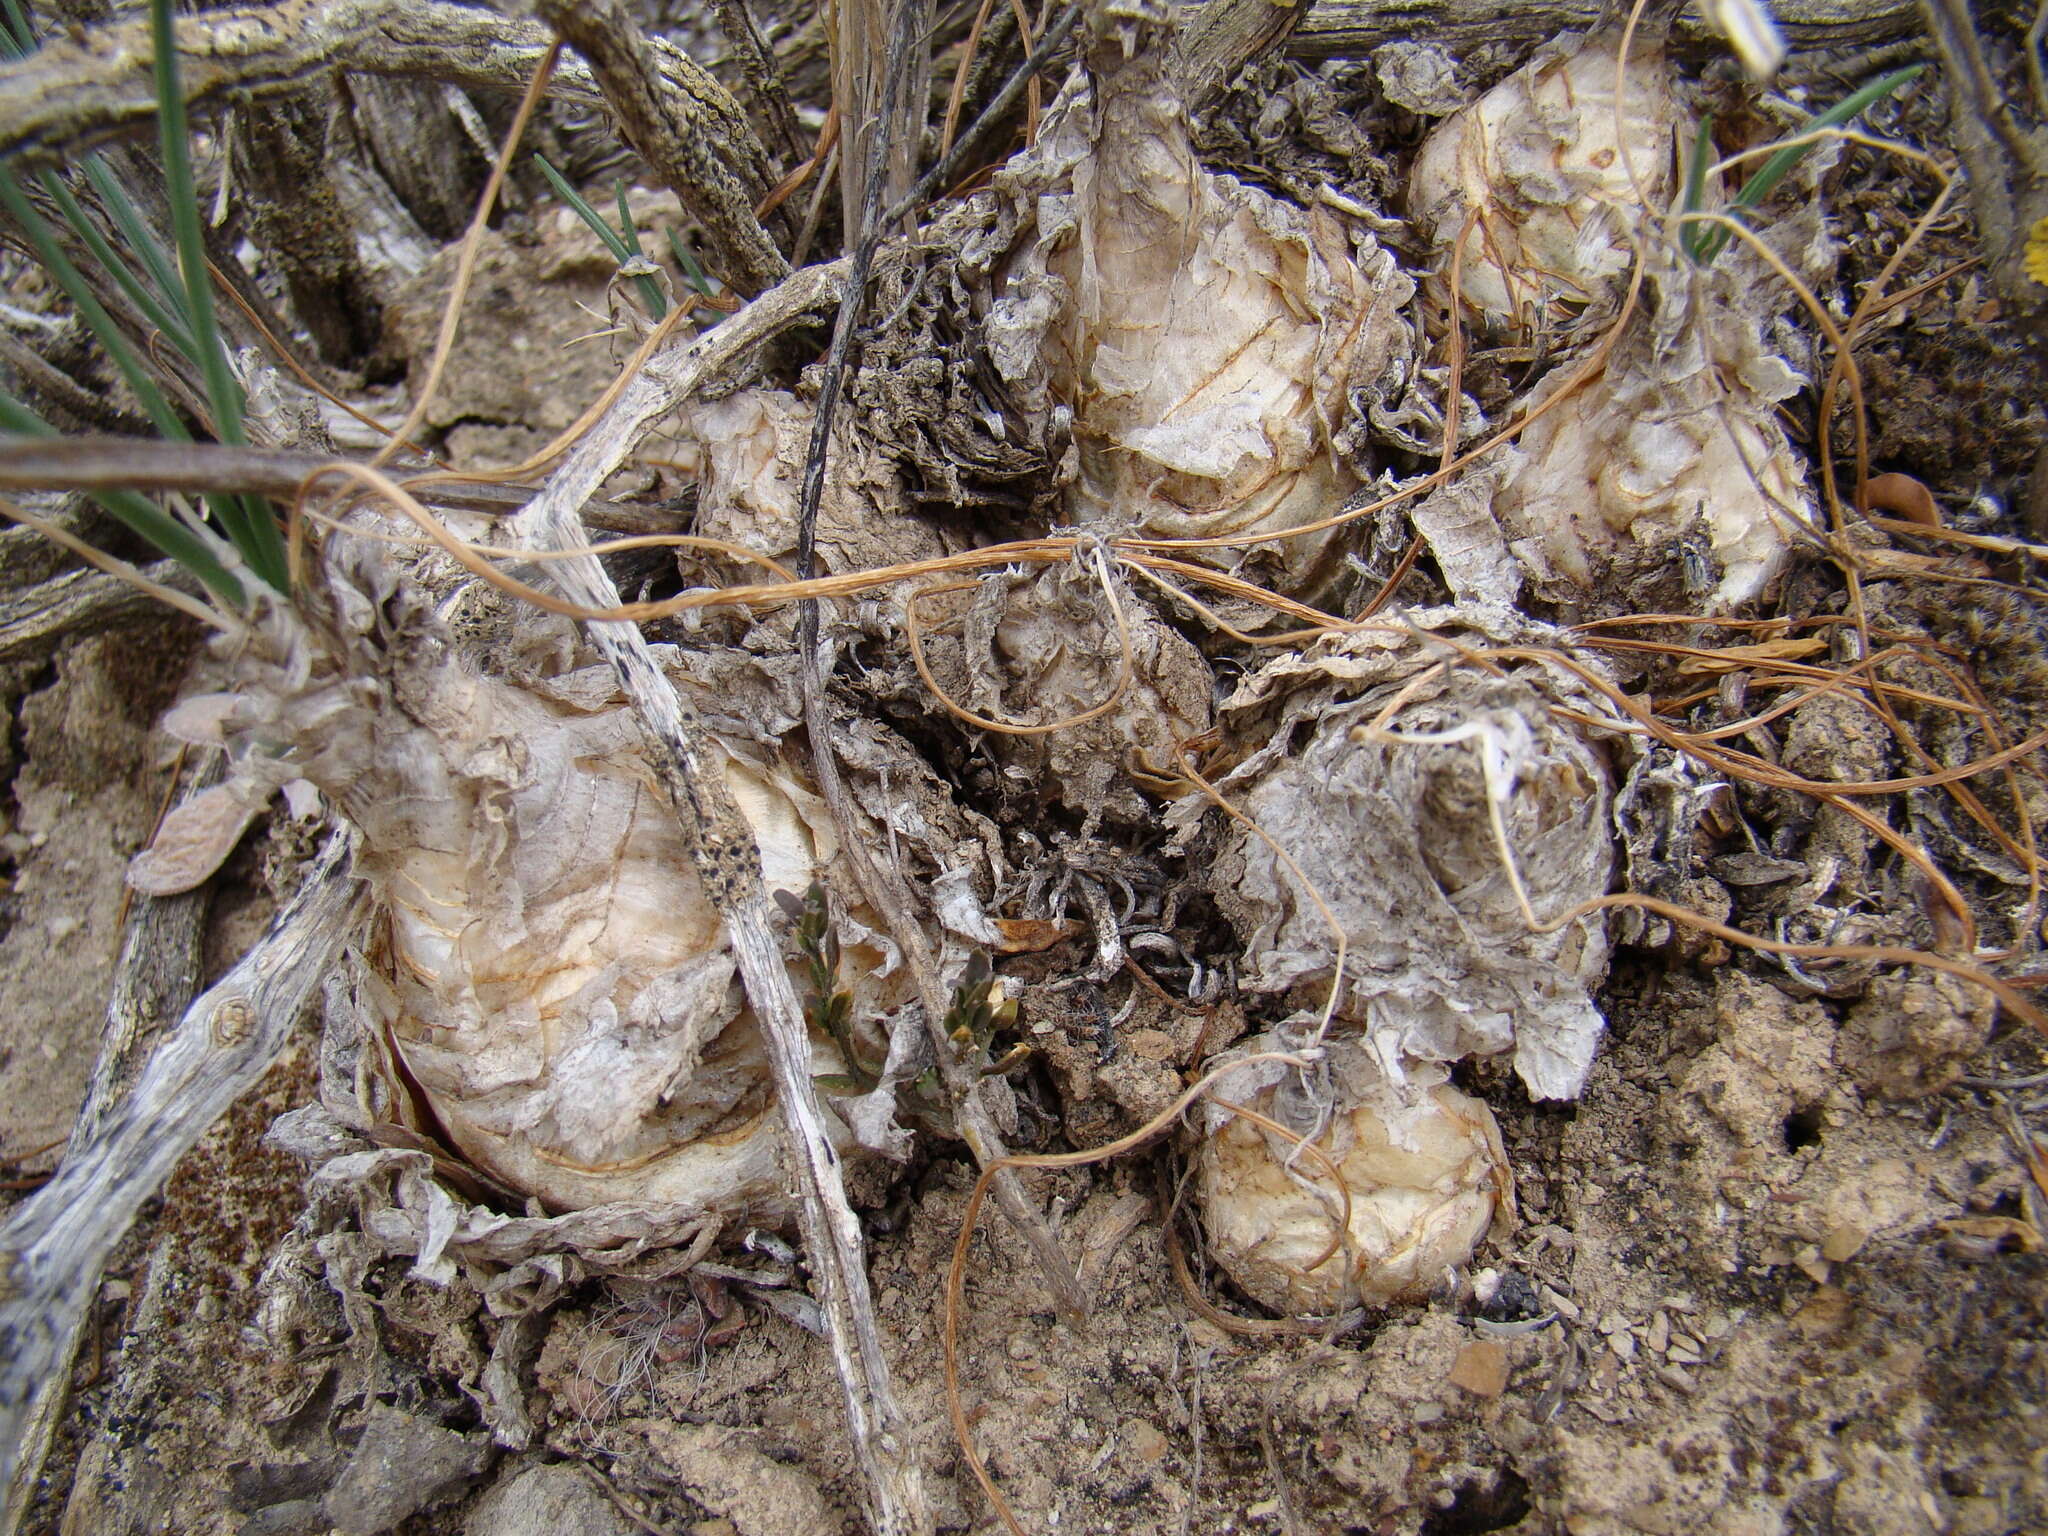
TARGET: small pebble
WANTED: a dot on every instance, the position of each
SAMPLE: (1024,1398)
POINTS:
(1812,1265)
(1623,1344)
(1612,1323)
(1146,1441)
(1482,1368)
(1659,1336)
(1674,1378)
(1561,1304)
(1682,1355)
(1843,1243)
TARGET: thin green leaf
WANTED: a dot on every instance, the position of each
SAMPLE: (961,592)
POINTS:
(252,529)
(18,33)
(89,308)
(650,290)
(1696,188)
(589,215)
(87,231)
(143,240)
(1778,166)
(626,225)
(693,273)
(139,514)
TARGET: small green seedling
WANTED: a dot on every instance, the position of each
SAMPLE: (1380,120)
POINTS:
(830,1006)
(1701,241)
(977,1012)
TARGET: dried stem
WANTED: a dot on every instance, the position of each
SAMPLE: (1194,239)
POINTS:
(873,110)
(883,887)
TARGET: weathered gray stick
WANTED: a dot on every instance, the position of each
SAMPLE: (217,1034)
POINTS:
(97,87)
(728,862)
(1222,37)
(1353,28)
(154,980)
(34,619)
(92,463)
(54,1243)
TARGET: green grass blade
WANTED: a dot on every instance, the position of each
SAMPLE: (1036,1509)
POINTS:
(1696,189)
(652,296)
(626,225)
(146,301)
(252,529)
(89,308)
(589,215)
(1778,166)
(19,37)
(139,514)
(141,238)
(650,290)
(692,273)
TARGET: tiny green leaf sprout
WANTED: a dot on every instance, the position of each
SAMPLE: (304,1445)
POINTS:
(1701,241)
(830,1006)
